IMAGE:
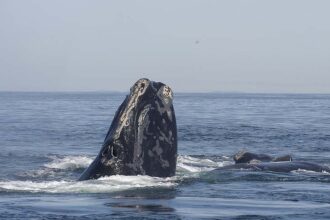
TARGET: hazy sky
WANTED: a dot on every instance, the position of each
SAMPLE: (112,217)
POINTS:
(205,45)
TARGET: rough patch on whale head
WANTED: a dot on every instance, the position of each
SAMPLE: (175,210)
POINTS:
(248,157)
(142,138)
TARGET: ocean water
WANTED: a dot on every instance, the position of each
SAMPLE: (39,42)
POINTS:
(48,139)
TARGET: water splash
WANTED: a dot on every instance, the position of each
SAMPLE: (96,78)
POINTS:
(69,162)
(189,164)
(188,167)
(101,185)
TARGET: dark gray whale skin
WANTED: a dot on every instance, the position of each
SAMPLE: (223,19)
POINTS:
(245,160)
(142,138)
(248,157)
(281,167)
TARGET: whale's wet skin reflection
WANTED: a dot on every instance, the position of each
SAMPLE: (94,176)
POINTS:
(62,141)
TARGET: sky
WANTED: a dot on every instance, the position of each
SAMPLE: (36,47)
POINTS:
(273,46)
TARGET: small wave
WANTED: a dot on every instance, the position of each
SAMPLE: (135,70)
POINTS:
(303,171)
(59,167)
(69,162)
(101,185)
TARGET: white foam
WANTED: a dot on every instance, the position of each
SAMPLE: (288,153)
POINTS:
(101,185)
(187,167)
(69,162)
(325,172)
(196,165)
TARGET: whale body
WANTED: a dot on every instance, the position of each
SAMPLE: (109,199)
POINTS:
(142,138)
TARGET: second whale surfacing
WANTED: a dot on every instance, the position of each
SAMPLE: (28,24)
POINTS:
(142,138)
(278,167)
(245,160)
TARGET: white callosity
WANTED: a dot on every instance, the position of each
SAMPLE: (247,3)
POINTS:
(166,94)
(141,87)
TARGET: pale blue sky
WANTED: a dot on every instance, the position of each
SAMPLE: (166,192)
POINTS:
(196,46)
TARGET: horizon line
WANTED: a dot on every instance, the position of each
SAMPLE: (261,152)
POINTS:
(177,92)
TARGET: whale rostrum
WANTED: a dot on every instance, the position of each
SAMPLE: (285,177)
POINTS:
(142,138)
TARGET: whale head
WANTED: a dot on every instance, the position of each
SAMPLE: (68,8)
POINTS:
(142,138)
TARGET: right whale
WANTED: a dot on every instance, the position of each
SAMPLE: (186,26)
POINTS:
(264,162)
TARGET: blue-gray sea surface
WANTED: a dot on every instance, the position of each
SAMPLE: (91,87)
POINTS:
(48,139)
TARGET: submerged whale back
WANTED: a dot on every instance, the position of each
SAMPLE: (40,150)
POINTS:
(285,166)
